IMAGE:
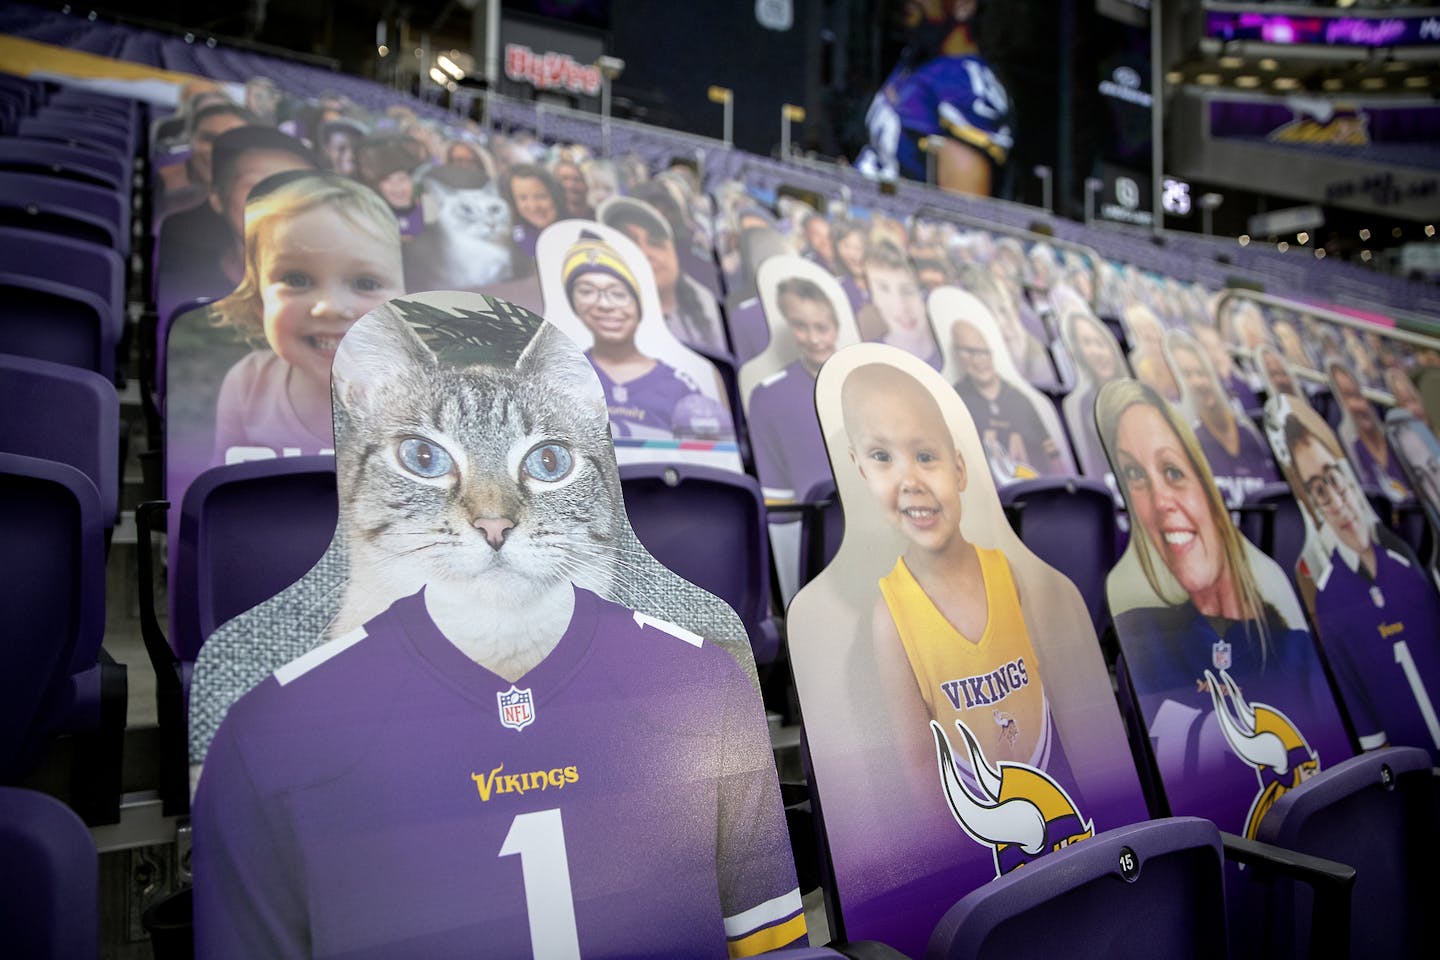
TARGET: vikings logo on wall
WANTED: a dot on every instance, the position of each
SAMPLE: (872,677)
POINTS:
(1022,812)
(1043,741)
(1208,625)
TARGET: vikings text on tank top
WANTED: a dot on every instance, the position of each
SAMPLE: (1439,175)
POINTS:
(993,685)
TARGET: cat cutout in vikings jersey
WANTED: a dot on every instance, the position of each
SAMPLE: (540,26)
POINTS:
(503,710)
(436,381)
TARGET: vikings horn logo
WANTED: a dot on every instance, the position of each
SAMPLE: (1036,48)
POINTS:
(1023,814)
(1266,739)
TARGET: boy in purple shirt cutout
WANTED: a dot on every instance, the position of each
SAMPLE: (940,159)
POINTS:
(790,454)
(1375,608)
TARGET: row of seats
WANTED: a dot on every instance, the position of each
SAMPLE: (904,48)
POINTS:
(67,166)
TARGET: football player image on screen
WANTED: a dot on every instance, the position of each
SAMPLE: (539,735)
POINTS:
(493,758)
(941,87)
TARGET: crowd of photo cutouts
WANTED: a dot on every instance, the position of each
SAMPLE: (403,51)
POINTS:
(711,313)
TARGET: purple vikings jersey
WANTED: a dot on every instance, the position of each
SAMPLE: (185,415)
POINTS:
(1249,469)
(644,407)
(956,97)
(790,453)
(1389,479)
(386,796)
(1168,651)
(1380,635)
(748,330)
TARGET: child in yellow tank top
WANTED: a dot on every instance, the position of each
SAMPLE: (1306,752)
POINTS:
(950,642)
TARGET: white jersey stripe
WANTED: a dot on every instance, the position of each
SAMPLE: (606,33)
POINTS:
(308,661)
(766,913)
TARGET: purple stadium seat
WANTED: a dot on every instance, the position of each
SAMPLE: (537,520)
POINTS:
(47,216)
(1144,890)
(823,528)
(708,525)
(76,131)
(1380,813)
(51,320)
(57,159)
(1069,522)
(108,206)
(62,413)
(88,266)
(50,898)
(247,531)
(52,588)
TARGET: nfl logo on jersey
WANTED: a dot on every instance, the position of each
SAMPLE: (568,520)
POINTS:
(517,707)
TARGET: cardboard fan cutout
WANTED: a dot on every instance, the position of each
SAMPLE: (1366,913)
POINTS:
(688,306)
(942,668)
(248,648)
(1363,432)
(1374,606)
(1419,454)
(1018,426)
(1277,377)
(1231,692)
(1237,454)
(667,402)
(488,696)
(1098,361)
(809,318)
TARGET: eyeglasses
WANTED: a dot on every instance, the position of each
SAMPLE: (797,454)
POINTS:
(1327,486)
(588,294)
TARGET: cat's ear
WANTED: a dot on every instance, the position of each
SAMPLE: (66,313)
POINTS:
(376,351)
(554,359)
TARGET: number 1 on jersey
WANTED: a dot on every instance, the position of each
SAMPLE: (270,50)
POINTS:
(539,839)
(1417,687)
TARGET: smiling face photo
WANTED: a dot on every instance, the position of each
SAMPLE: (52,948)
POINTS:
(931,586)
(901,446)
(1203,618)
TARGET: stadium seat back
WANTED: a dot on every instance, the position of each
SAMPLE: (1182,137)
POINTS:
(1143,890)
(50,887)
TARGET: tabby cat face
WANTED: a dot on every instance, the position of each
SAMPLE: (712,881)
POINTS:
(499,478)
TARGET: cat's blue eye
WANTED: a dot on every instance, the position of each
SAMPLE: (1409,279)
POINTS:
(423,458)
(549,462)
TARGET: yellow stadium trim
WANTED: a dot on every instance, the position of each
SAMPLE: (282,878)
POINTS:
(768,938)
(26,57)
